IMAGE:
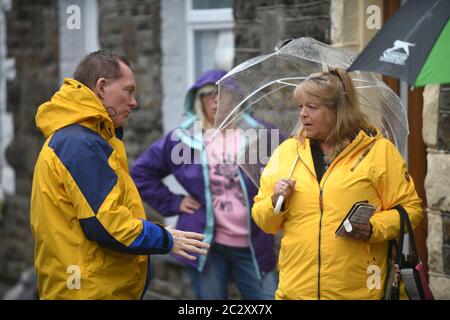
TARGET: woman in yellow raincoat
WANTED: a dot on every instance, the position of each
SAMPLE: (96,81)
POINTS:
(342,159)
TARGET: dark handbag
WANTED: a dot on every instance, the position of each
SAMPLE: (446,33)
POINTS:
(392,282)
(407,268)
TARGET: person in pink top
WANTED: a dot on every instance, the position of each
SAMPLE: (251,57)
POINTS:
(228,200)
(218,204)
(231,256)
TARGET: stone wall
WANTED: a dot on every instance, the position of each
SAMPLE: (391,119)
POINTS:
(32,40)
(349,23)
(259,24)
(436,133)
(132,27)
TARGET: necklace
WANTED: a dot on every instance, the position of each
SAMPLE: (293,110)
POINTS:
(326,160)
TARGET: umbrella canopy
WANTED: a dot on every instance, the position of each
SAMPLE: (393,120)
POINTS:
(257,95)
(413,45)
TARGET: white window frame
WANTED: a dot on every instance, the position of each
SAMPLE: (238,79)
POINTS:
(87,36)
(91,20)
(7,72)
(203,20)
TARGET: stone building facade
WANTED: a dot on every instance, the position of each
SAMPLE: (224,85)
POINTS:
(260,24)
(135,28)
(32,40)
(436,133)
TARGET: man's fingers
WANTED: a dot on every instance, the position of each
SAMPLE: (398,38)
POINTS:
(194,249)
(183,254)
(186,242)
(186,249)
(178,234)
(192,235)
(197,243)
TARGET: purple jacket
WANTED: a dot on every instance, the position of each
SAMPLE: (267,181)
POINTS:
(156,163)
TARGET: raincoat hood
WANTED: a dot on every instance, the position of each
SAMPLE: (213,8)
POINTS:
(74,103)
(208,77)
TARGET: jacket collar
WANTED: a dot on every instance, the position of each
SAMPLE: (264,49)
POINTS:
(362,140)
(74,103)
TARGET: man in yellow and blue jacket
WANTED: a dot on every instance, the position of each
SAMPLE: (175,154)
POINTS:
(92,240)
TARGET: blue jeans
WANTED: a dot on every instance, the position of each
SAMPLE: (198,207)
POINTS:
(230,263)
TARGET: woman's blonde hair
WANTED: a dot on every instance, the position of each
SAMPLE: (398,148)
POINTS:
(198,105)
(335,90)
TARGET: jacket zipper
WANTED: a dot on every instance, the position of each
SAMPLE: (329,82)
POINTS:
(320,239)
(321,207)
(320,226)
(363,155)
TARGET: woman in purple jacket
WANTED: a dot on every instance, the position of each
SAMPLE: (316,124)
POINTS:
(219,201)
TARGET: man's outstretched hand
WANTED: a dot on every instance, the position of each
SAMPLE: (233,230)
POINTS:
(185,242)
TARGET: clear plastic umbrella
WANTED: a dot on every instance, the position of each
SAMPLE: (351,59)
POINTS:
(258,94)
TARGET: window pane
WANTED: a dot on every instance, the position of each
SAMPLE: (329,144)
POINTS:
(213,49)
(211,4)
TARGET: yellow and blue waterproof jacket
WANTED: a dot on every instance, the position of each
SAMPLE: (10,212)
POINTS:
(92,240)
(314,263)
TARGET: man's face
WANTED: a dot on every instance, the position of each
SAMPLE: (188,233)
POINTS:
(118,97)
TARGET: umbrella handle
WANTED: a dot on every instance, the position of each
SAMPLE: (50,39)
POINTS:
(279,204)
(281,198)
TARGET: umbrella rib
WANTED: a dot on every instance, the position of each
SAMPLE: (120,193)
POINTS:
(276,89)
(422,18)
(375,108)
(287,83)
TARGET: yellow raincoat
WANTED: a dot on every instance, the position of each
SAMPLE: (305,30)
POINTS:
(313,263)
(88,221)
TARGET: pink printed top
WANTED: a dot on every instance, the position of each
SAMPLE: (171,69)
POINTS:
(228,200)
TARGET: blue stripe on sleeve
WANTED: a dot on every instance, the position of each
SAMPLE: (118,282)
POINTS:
(151,237)
(149,241)
(85,154)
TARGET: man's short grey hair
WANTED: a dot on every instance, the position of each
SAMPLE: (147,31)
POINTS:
(99,64)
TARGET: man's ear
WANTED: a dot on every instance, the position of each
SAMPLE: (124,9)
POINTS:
(100,87)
